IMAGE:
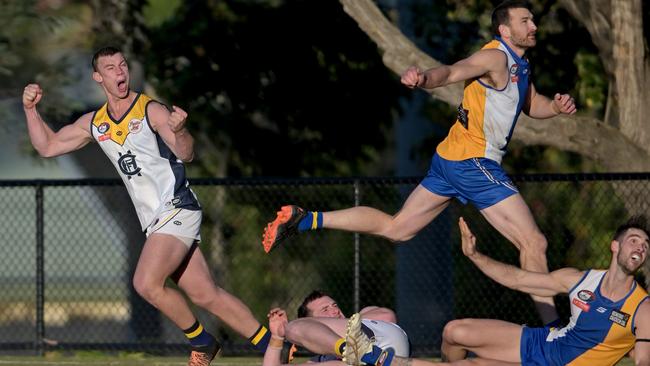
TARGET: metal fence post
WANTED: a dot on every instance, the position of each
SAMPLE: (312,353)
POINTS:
(357,256)
(40,273)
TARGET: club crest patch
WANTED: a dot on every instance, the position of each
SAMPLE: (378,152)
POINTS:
(135,125)
(103,127)
(586,295)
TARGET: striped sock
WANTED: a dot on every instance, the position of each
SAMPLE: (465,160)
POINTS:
(339,347)
(197,335)
(313,221)
(260,340)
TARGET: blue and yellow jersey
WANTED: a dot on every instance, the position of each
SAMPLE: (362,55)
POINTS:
(600,331)
(153,176)
(487,116)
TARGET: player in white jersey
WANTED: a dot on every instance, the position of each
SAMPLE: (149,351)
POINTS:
(466,164)
(148,145)
(321,327)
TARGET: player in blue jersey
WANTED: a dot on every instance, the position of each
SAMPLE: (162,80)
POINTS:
(610,314)
(466,165)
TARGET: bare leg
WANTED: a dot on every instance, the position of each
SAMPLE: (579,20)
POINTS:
(160,256)
(197,282)
(420,208)
(318,335)
(513,219)
(487,338)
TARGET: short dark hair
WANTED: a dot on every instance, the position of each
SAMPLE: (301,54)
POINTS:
(104,51)
(303,311)
(501,13)
(635,222)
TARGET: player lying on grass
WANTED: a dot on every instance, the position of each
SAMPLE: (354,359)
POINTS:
(321,328)
(609,312)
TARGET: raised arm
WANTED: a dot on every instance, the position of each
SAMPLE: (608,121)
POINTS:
(47,142)
(171,127)
(277,323)
(539,106)
(477,65)
(535,283)
(642,345)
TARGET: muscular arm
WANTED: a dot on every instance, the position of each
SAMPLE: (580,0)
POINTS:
(488,61)
(642,324)
(47,142)
(535,283)
(539,106)
(171,127)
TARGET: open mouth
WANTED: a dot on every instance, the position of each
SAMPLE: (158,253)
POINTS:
(121,85)
(636,256)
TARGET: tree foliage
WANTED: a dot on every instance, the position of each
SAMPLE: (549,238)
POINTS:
(273,92)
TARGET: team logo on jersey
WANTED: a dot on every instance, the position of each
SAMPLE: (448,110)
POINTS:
(584,306)
(586,296)
(176,201)
(619,318)
(128,165)
(513,70)
(135,125)
(103,127)
(601,309)
(463,116)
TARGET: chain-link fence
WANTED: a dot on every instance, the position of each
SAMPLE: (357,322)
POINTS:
(69,249)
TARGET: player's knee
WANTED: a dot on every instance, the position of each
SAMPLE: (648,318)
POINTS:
(205,297)
(293,330)
(535,244)
(147,289)
(456,331)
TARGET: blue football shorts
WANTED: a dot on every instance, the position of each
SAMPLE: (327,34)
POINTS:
(479,181)
(532,346)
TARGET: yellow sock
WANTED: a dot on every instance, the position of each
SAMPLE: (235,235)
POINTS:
(339,346)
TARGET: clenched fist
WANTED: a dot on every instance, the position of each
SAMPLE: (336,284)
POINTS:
(563,103)
(413,77)
(176,120)
(32,95)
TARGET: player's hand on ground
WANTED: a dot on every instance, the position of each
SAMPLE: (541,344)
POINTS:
(412,77)
(277,322)
(176,120)
(32,95)
(564,103)
(467,238)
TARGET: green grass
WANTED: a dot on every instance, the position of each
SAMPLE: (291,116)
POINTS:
(133,359)
(118,360)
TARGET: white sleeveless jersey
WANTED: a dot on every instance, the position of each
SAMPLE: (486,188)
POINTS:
(153,176)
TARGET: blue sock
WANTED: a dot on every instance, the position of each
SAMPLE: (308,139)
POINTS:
(198,336)
(313,221)
(378,356)
(260,340)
